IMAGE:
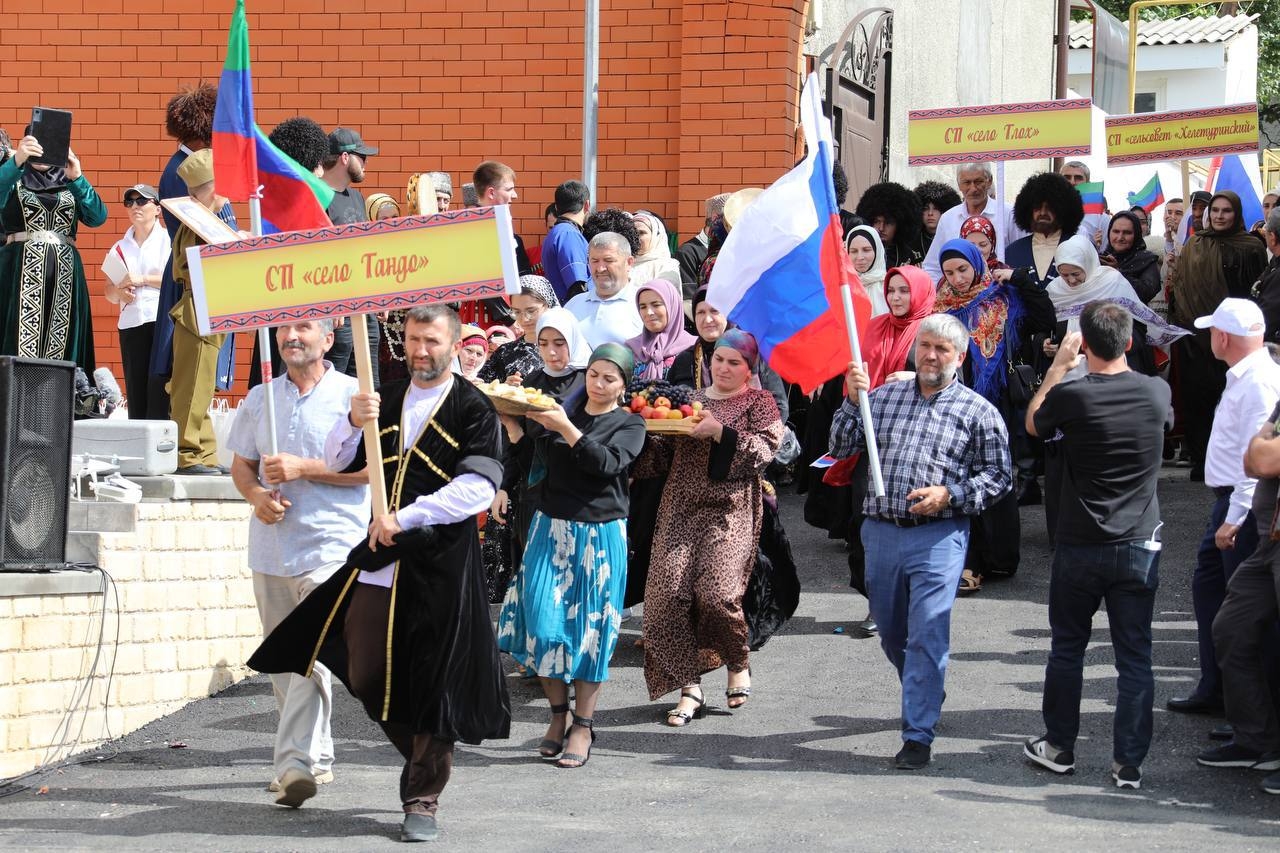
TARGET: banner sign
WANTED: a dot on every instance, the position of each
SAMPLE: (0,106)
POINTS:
(999,132)
(362,268)
(1182,134)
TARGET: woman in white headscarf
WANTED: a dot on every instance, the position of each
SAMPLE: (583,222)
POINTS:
(565,352)
(867,253)
(654,258)
(1082,279)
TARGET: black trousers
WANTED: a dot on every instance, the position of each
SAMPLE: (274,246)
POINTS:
(428,761)
(342,355)
(1244,636)
(147,400)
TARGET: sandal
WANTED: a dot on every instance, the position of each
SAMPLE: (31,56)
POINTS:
(551,748)
(578,760)
(740,692)
(969,583)
(678,717)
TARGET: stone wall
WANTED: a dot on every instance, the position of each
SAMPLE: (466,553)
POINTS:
(187,622)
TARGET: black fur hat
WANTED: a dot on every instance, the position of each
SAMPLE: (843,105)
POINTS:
(303,140)
(615,220)
(937,194)
(1063,200)
(893,201)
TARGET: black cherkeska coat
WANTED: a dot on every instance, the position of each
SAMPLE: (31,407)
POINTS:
(445,678)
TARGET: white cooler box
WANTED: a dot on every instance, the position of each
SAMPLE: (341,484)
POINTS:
(144,448)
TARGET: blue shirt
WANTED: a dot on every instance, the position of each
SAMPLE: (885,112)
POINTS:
(564,257)
(324,522)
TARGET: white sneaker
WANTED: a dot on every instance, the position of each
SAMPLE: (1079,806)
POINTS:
(296,787)
(1058,760)
(321,779)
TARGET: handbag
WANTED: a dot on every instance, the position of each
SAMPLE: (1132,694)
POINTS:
(1023,382)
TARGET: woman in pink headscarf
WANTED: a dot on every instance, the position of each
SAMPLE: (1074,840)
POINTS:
(664,336)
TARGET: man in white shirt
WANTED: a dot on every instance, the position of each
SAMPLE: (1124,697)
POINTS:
(305,520)
(974,181)
(407,611)
(607,312)
(1253,387)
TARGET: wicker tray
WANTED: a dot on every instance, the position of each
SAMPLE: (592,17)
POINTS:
(510,406)
(684,426)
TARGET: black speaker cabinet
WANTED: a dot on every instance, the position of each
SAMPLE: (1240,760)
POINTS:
(36,398)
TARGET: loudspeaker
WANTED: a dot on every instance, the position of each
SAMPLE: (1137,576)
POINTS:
(36,397)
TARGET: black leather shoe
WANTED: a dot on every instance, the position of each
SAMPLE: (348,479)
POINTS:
(1194,705)
(419,827)
(206,470)
(914,755)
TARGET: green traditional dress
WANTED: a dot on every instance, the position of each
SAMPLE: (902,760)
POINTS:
(44,300)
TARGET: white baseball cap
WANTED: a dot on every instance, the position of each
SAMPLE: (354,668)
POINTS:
(1235,316)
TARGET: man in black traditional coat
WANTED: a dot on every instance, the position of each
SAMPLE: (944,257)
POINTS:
(406,620)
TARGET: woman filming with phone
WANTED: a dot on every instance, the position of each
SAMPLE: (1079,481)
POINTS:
(44,300)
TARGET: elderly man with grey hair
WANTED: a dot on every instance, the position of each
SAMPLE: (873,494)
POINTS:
(944,452)
(607,312)
(305,520)
(976,184)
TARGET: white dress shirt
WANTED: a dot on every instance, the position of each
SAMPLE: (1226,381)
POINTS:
(462,497)
(148,258)
(1253,387)
(611,320)
(949,229)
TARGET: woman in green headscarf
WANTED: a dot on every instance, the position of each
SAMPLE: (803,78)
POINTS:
(1218,261)
(563,609)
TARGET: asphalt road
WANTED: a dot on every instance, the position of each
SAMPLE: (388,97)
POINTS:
(807,762)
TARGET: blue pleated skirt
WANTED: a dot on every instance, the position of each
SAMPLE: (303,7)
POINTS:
(563,609)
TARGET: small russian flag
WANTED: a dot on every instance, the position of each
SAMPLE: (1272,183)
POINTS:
(1094,200)
(1150,196)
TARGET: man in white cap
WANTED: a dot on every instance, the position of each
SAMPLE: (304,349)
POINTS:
(1237,332)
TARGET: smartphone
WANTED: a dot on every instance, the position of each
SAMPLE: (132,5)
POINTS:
(52,129)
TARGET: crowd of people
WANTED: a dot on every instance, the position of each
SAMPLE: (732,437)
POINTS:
(1016,354)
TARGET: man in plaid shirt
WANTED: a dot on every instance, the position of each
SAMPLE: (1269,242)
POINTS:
(944,453)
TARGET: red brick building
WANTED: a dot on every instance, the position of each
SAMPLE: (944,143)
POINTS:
(696,96)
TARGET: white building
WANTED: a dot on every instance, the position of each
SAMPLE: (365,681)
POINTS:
(951,53)
(1184,63)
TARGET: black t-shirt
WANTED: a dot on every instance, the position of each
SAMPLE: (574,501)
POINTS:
(347,207)
(1111,434)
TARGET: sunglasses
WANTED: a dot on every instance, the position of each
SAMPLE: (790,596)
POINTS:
(137,201)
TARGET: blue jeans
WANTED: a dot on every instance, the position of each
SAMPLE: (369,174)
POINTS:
(1084,576)
(1214,567)
(912,577)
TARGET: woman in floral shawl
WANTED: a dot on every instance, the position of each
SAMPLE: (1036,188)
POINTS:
(1000,312)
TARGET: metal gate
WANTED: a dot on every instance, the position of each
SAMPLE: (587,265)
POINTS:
(858,77)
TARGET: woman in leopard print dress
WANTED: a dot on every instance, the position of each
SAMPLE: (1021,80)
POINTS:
(704,544)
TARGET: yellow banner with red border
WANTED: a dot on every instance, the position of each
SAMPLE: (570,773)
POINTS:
(1182,134)
(1026,131)
(361,268)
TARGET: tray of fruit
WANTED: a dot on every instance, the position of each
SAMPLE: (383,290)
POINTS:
(666,408)
(515,400)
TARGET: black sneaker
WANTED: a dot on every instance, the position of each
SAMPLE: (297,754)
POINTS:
(1126,776)
(1058,760)
(914,755)
(1230,754)
(419,827)
(1222,732)
(1271,784)
(1269,761)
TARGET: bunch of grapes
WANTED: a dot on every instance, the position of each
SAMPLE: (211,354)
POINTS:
(652,389)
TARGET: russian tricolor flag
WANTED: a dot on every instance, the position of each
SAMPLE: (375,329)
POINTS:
(293,199)
(779,273)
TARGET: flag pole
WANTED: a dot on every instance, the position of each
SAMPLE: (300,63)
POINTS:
(864,402)
(264,334)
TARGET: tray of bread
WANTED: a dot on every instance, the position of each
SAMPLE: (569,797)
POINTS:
(516,400)
(666,408)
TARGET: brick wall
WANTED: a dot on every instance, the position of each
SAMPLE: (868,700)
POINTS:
(696,96)
(187,623)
